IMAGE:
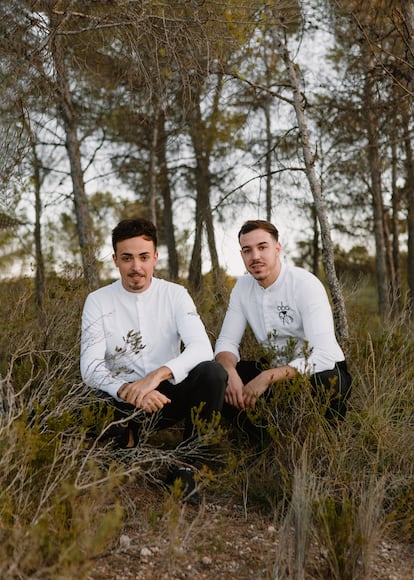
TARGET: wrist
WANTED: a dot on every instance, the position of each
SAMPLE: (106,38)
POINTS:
(231,370)
(279,373)
(163,374)
(121,388)
(272,376)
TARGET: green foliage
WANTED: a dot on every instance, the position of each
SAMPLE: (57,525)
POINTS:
(212,300)
(358,475)
(209,432)
(60,500)
(48,523)
(402,512)
(354,265)
(336,521)
(286,422)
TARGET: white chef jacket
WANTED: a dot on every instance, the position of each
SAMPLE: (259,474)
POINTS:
(126,335)
(292,318)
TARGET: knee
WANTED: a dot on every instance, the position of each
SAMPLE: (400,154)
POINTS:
(213,372)
(212,379)
(332,389)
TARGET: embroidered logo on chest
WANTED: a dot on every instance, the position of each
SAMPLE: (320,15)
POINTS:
(284,315)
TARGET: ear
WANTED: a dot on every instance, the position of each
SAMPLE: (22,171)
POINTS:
(115,260)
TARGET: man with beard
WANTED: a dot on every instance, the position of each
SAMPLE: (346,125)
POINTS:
(289,313)
(144,346)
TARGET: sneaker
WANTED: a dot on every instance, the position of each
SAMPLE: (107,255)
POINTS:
(185,476)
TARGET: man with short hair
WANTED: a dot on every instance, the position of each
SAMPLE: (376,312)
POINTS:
(143,343)
(287,309)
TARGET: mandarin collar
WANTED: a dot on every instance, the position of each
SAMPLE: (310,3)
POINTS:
(137,295)
(278,280)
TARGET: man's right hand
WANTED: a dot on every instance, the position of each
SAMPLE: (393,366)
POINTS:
(142,393)
(234,391)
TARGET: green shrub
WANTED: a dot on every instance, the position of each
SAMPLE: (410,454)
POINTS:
(61,499)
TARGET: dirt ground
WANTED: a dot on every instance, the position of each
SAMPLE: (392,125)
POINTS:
(219,539)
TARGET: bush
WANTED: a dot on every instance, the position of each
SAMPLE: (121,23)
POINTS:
(63,497)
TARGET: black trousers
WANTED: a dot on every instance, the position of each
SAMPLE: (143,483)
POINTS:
(206,383)
(334,385)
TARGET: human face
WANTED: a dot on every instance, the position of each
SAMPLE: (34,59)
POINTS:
(135,259)
(261,256)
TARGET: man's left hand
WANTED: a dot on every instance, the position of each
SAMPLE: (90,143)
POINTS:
(135,392)
(258,385)
(253,389)
(154,401)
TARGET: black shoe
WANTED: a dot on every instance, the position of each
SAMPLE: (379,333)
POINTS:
(124,435)
(185,476)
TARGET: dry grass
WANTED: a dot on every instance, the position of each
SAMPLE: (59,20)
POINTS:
(65,493)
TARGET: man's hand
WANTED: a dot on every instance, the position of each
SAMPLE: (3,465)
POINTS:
(234,391)
(258,385)
(253,389)
(137,393)
(154,401)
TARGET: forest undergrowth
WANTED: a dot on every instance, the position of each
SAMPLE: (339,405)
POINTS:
(63,497)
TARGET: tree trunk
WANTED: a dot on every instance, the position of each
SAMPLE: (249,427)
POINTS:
(395,201)
(167,213)
(339,310)
(409,169)
(40,285)
(204,218)
(407,7)
(194,273)
(211,241)
(153,171)
(377,200)
(269,142)
(315,242)
(83,220)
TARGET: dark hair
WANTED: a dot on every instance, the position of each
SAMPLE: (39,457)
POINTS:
(252,225)
(132,228)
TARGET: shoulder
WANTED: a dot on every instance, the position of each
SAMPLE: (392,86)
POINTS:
(167,289)
(104,292)
(244,282)
(305,285)
(243,288)
(299,274)
(101,301)
(162,285)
